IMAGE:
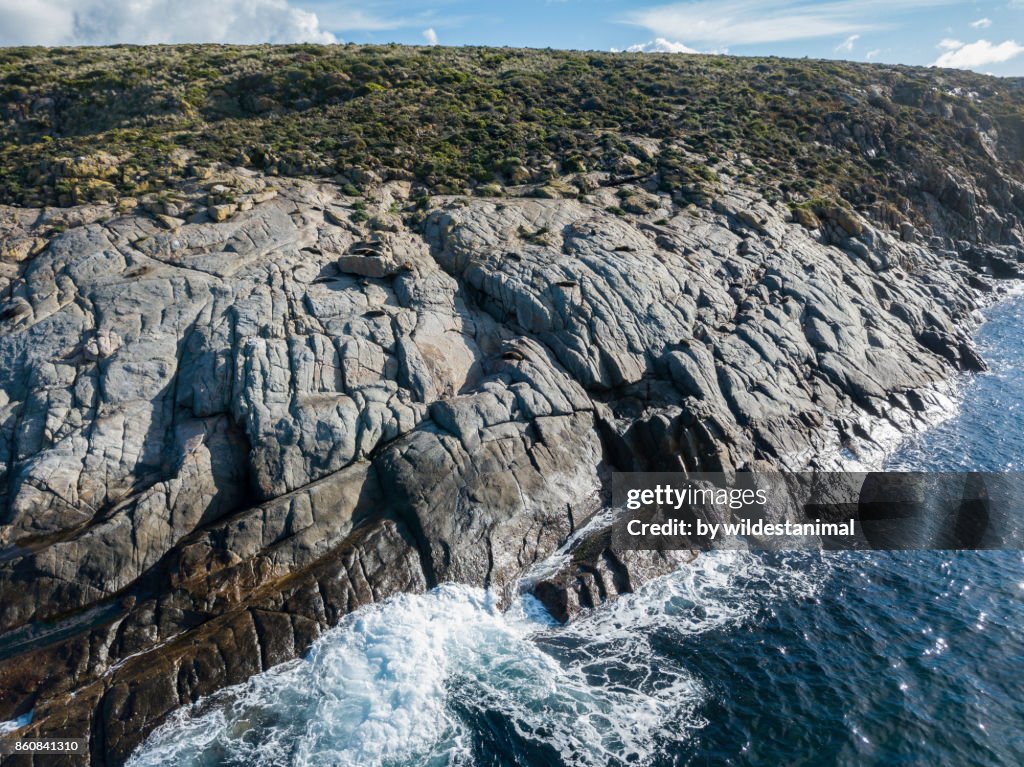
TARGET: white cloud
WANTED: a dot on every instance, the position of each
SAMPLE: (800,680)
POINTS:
(949,44)
(979,54)
(982,23)
(34,22)
(743,22)
(873,54)
(659,45)
(98,22)
(341,16)
(847,44)
(430,36)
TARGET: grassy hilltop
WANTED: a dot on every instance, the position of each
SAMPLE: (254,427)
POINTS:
(84,124)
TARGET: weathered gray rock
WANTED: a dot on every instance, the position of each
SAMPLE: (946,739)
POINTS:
(595,572)
(217,438)
(386,254)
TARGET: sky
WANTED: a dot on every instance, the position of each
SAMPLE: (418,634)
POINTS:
(983,36)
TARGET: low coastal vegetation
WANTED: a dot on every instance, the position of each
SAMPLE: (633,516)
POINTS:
(94,124)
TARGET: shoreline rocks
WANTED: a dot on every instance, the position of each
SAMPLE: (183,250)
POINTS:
(219,438)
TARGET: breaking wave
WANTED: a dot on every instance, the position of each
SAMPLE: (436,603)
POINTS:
(448,678)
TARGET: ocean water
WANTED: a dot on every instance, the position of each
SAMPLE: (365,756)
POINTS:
(846,658)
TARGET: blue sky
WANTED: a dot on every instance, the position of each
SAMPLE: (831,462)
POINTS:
(984,36)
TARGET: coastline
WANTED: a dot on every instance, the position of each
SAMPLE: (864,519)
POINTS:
(557,584)
(944,398)
(252,391)
(528,384)
(950,394)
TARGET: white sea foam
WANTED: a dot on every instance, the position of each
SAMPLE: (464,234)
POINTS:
(406,681)
(15,724)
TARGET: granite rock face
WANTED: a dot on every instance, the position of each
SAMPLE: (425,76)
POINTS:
(219,435)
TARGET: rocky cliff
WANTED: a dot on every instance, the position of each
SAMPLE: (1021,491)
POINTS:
(239,407)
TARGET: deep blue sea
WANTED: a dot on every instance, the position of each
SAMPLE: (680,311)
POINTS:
(913,658)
